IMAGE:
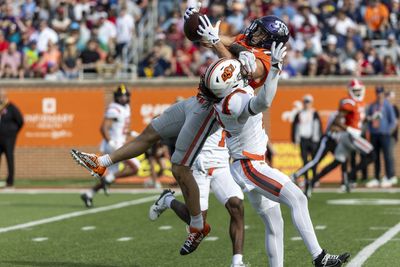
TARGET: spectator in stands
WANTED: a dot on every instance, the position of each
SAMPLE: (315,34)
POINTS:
(3,43)
(375,61)
(70,62)
(165,8)
(125,30)
(363,66)
(391,96)
(28,8)
(311,67)
(154,66)
(11,122)
(14,36)
(284,8)
(51,57)
(382,122)
(11,61)
(30,59)
(81,8)
(90,57)
(236,17)
(392,49)
(61,23)
(330,58)
(107,33)
(341,24)
(377,19)
(165,50)
(44,36)
(53,73)
(389,68)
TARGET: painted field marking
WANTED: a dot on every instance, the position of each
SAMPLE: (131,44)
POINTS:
(366,252)
(125,238)
(320,227)
(364,201)
(165,227)
(88,228)
(377,228)
(296,238)
(211,238)
(39,239)
(78,214)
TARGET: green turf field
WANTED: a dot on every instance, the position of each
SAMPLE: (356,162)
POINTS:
(125,237)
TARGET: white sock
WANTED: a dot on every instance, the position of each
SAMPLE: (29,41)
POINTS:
(168,199)
(110,177)
(197,221)
(90,193)
(105,160)
(237,259)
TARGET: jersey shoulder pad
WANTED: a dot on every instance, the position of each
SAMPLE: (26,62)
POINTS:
(347,104)
(234,103)
(113,111)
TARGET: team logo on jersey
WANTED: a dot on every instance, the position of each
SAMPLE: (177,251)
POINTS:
(228,72)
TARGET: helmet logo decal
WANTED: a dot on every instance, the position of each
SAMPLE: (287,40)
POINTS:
(281,27)
(228,71)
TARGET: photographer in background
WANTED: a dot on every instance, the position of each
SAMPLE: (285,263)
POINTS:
(11,121)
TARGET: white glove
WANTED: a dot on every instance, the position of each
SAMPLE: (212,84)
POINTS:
(113,144)
(248,61)
(190,10)
(208,31)
(277,55)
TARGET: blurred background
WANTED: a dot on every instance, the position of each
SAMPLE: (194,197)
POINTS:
(62,59)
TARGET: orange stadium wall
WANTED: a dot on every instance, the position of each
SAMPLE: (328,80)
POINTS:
(61,116)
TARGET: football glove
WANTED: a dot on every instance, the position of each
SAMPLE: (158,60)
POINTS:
(248,61)
(278,53)
(190,10)
(208,31)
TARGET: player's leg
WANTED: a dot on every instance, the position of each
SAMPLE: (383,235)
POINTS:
(270,213)
(229,194)
(199,124)
(166,126)
(276,186)
(322,150)
(304,154)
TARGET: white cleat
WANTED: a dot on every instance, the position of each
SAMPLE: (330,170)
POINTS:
(159,206)
(373,183)
(386,183)
(394,180)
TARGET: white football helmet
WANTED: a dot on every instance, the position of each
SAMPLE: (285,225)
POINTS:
(356,90)
(223,76)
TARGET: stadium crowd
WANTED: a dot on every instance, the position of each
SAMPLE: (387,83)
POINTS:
(55,39)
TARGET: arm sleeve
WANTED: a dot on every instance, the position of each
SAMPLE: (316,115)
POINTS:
(112,112)
(264,98)
(392,117)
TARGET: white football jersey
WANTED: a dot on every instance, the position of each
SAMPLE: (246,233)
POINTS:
(214,153)
(245,139)
(121,116)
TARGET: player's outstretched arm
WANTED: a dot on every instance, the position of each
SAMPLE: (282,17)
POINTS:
(265,96)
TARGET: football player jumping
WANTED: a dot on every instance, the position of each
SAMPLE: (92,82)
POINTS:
(239,112)
(115,129)
(348,124)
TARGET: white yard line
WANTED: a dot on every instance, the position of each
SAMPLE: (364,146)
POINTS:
(78,213)
(366,252)
(79,190)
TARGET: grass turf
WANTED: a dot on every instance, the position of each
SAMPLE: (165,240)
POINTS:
(347,229)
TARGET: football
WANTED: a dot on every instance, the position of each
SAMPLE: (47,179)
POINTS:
(191,26)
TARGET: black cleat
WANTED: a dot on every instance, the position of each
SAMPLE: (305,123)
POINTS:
(105,187)
(194,239)
(87,200)
(327,260)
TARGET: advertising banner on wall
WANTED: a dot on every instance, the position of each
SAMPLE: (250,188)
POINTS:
(56,118)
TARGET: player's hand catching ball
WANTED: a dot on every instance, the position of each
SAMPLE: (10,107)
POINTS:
(209,32)
(190,10)
(278,53)
(248,61)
